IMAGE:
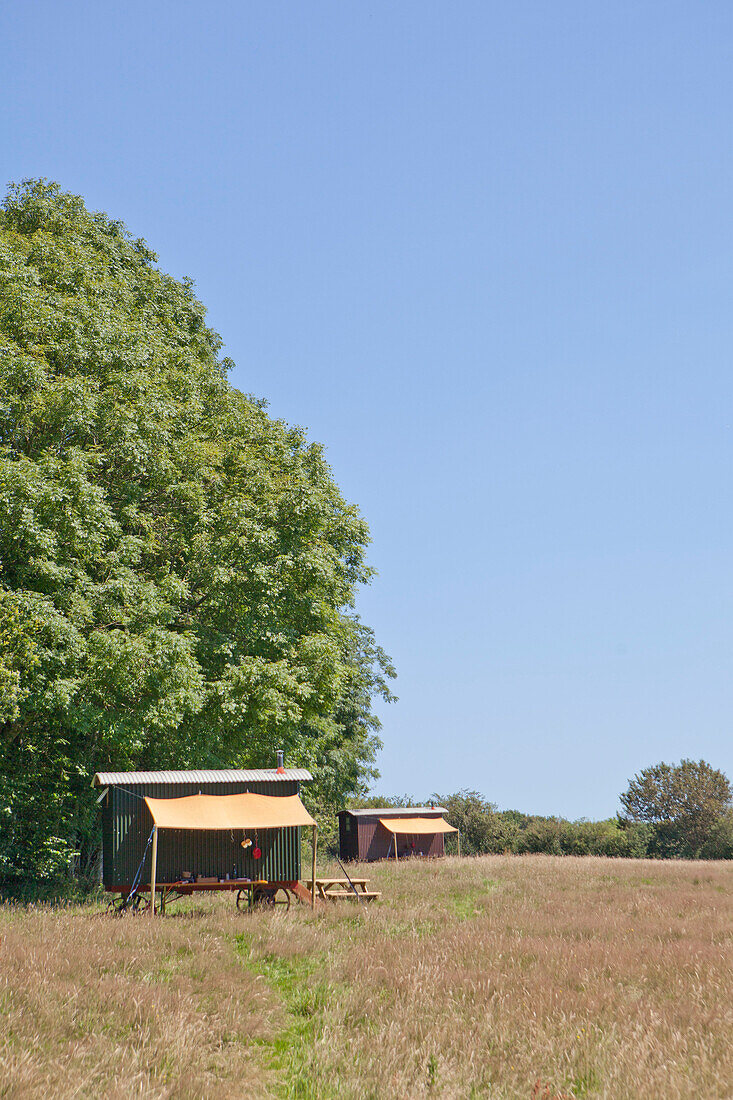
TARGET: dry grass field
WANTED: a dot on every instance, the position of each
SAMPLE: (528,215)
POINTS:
(503,977)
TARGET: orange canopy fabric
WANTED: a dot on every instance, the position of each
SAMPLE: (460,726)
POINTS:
(229,811)
(416,825)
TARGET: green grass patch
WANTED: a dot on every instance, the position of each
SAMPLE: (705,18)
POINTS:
(304,997)
(586,1083)
(471,902)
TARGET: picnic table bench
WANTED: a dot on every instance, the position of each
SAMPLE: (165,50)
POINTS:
(334,889)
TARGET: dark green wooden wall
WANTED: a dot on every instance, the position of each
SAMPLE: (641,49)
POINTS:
(126,825)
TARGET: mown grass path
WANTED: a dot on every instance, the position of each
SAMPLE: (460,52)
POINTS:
(473,978)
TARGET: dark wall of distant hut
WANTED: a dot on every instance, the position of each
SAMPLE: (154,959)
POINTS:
(366,839)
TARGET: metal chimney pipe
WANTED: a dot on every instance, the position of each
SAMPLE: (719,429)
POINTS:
(280,759)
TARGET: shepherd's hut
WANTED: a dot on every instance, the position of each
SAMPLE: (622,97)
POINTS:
(188,830)
(384,832)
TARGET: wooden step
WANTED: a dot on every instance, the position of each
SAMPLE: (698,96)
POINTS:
(302,892)
(368,896)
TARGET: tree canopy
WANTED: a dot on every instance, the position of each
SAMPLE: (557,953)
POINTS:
(685,803)
(177,568)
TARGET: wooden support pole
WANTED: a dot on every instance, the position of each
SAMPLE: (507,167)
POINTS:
(396,858)
(459,842)
(313,869)
(153,865)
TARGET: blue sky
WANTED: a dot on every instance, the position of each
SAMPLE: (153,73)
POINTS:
(484,253)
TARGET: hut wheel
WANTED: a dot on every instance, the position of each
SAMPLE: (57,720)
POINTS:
(264,897)
(279,896)
(120,905)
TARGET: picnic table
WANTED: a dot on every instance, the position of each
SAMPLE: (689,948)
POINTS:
(335,889)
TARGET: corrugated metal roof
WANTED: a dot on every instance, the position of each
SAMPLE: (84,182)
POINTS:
(227,775)
(398,811)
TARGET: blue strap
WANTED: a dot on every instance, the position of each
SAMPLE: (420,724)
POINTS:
(138,873)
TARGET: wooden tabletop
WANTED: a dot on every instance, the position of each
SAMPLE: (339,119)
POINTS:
(342,881)
(227,884)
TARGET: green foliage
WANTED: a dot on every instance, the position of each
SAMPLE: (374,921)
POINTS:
(341,751)
(683,803)
(680,811)
(719,842)
(395,802)
(177,569)
(482,828)
(17,653)
(556,836)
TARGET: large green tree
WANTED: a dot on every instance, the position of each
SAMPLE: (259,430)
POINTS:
(177,569)
(685,804)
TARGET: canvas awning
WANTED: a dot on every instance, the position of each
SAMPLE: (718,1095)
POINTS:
(416,825)
(229,811)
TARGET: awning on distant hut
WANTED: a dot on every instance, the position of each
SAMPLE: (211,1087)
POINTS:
(229,811)
(416,825)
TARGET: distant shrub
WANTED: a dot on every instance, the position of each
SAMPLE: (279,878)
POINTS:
(541,834)
(374,801)
(719,844)
(485,830)
(482,828)
(639,838)
(557,836)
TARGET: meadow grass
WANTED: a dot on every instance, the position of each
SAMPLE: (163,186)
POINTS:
(503,976)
